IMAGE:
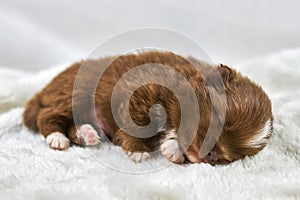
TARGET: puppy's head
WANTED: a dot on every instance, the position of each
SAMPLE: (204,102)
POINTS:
(233,146)
(248,122)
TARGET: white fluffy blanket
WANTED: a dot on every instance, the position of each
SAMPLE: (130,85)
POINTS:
(30,170)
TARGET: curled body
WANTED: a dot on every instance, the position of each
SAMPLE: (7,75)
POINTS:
(54,110)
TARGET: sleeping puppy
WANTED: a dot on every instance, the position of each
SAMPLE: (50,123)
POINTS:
(246,129)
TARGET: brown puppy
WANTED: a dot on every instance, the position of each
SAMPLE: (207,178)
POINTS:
(246,129)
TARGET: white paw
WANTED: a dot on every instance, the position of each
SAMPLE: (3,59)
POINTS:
(171,150)
(58,141)
(138,156)
(88,135)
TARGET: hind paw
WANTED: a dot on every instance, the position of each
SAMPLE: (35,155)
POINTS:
(88,135)
(58,141)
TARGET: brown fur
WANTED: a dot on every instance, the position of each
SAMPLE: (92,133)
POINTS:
(248,107)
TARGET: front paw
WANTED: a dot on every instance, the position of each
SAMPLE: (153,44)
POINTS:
(138,156)
(171,150)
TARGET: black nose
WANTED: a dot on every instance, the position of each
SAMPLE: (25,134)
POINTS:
(211,157)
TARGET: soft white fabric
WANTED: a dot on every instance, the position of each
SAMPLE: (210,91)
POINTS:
(30,170)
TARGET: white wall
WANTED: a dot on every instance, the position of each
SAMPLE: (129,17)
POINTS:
(39,34)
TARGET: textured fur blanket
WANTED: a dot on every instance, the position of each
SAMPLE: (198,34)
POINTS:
(31,170)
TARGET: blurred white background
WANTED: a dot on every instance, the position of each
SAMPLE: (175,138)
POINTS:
(39,34)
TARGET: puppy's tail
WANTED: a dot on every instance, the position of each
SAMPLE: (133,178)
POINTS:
(30,114)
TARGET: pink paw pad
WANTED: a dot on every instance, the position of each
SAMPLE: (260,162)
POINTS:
(88,135)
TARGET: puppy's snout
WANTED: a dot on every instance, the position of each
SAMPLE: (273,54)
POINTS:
(211,157)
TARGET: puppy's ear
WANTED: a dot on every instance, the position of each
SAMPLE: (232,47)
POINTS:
(226,72)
